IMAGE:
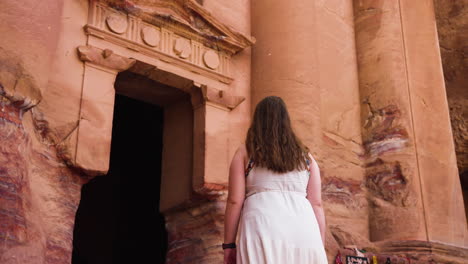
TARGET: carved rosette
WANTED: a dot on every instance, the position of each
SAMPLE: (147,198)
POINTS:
(117,23)
(211,59)
(182,48)
(150,36)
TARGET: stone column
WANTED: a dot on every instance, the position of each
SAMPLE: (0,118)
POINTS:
(344,195)
(440,183)
(284,62)
(411,170)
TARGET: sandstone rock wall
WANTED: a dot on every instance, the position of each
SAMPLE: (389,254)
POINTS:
(39,195)
(59,111)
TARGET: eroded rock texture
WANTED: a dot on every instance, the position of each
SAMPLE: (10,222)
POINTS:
(195,229)
(39,195)
(13,171)
(452,26)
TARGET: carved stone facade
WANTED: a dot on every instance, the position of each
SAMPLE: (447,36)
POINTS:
(362,80)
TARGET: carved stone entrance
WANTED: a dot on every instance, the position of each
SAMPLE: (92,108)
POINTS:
(180,62)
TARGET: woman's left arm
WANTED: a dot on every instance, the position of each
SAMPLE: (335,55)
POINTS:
(314,195)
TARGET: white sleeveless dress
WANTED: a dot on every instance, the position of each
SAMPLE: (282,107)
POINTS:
(278,224)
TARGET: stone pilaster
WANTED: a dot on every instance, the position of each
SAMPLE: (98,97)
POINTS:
(92,150)
(211,109)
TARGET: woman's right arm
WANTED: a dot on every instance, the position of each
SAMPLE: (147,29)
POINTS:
(234,202)
(314,195)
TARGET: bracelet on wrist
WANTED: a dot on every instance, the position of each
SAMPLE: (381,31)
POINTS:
(228,245)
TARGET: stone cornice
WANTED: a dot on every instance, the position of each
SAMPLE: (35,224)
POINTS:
(220,97)
(105,58)
(225,100)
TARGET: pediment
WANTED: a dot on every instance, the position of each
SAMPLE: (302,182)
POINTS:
(189,19)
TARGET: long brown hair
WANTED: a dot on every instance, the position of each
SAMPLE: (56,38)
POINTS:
(271,141)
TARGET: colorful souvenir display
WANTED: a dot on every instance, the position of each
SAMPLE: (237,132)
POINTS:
(356,260)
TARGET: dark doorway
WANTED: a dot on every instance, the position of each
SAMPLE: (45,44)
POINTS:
(118,220)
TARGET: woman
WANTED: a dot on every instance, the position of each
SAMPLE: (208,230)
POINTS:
(274,195)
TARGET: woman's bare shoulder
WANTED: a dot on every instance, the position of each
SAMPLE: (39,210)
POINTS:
(242,149)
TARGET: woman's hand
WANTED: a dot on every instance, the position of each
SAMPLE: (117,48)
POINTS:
(230,256)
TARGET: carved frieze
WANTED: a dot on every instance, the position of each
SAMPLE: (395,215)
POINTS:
(189,35)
